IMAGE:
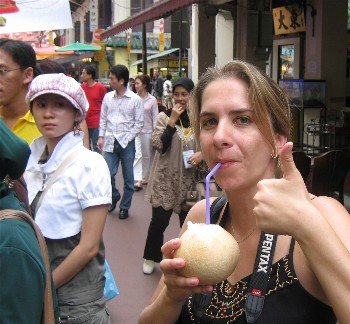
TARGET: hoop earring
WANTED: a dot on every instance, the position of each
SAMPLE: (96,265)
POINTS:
(76,128)
(274,153)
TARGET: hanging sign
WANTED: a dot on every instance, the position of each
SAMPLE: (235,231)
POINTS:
(128,41)
(93,15)
(161,35)
(100,55)
(290,19)
(161,42)
(161,25)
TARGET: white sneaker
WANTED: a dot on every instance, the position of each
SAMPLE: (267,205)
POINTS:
(148,266)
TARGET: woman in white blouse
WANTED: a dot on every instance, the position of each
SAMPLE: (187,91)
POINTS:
(69,191)
(150,113)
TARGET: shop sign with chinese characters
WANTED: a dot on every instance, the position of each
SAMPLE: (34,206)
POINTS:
(289,20)
(93,15)
(100,55)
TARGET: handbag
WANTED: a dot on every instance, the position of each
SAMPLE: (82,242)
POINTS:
(110,289)
(197,190)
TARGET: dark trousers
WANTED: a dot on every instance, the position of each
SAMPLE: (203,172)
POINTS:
(93,134)
(155,237)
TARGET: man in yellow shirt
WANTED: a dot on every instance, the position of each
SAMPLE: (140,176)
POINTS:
(25,128)
(17,64)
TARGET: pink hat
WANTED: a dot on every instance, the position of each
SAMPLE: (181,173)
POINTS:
(60,84)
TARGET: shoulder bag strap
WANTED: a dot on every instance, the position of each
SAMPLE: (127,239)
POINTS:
(64,164)
(215,209)
(48,312)
(260,277)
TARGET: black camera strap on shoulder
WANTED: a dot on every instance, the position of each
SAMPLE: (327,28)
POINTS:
(260,277)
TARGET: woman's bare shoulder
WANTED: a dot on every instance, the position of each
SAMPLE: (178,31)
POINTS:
(339,219)
(336,215)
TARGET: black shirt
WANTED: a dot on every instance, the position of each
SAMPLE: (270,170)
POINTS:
(286,302)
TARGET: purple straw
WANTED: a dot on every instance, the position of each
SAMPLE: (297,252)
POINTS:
(207,192)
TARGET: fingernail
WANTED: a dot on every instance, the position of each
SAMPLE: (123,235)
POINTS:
(193,282)
(176,241)
(178,262)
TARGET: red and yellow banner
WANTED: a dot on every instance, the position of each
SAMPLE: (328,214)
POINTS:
(161,42)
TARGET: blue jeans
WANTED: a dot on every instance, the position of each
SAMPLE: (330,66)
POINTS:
(126,156)
(93,134)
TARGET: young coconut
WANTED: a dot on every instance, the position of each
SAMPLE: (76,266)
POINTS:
(210,252)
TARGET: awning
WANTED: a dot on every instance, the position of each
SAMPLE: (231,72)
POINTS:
(158,10)
(73,58)
(49,51)
(154,56)
(77,47)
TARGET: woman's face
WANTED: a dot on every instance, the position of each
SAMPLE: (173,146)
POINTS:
(139,86)
(229,135)
(181,95)
(54,115)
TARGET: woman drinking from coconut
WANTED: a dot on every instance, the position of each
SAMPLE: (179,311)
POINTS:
(241,118)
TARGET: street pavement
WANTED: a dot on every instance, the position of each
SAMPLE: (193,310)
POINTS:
(124,241)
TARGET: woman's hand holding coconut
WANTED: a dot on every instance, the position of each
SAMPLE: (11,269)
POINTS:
(178,287)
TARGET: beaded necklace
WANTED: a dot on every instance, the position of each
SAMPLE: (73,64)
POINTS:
(185,134)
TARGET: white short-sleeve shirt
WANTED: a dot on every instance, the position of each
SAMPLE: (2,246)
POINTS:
(84,183)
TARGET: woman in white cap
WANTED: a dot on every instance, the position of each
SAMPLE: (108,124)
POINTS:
(69,205)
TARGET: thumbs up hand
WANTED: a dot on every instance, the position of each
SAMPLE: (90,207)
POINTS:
(281,204)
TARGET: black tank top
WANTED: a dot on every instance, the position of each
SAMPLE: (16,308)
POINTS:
(286,301)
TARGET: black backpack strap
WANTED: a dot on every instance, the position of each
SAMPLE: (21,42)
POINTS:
(215,209)
(260,277)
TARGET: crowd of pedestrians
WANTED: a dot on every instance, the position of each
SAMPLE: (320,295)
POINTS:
(159,130)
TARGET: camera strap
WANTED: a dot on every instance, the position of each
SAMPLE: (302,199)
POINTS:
(260,277)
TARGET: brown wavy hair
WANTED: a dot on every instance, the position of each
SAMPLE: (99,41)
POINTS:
(269,103)
(146,80)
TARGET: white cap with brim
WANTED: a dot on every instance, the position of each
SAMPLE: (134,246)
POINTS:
(60,84)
